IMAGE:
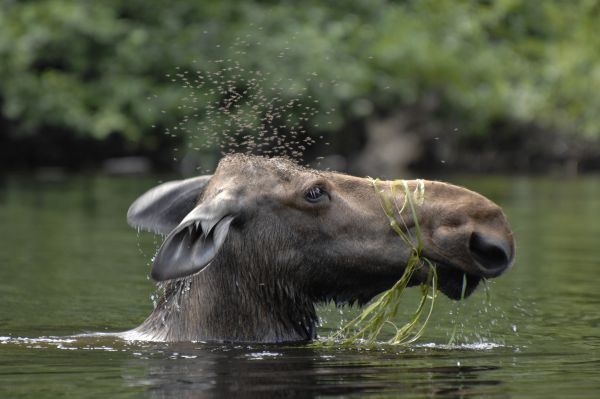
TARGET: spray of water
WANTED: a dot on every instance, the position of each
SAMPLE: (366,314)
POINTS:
(230,106)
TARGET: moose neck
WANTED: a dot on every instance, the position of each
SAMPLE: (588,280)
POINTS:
(231,301)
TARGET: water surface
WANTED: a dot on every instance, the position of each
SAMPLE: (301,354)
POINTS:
(69,264)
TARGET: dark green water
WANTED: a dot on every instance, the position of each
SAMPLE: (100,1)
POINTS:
(70,264)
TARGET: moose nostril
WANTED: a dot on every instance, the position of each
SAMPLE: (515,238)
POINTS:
(493,254)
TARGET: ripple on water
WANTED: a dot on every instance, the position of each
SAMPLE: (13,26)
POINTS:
(475,346)
(63,343)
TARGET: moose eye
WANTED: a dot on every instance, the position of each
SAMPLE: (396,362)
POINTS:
(315,194)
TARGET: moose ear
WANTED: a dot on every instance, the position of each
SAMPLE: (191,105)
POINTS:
(163,207)
(192,245)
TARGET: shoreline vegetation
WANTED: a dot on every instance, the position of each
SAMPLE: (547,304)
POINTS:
(536,153)
(375,87)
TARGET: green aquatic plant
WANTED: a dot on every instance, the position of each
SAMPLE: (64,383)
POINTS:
(367,327)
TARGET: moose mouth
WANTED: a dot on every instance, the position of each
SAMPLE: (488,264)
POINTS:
(450,280)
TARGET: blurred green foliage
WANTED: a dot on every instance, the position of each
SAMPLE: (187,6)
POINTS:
(101,67)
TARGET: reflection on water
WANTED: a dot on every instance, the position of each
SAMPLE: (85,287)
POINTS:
(190,370)
(70,264)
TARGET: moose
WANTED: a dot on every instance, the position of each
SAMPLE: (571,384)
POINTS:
(250,250)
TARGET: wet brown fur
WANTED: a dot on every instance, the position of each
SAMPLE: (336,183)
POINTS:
(283,254)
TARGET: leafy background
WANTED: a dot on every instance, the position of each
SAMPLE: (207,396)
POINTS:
(481,85)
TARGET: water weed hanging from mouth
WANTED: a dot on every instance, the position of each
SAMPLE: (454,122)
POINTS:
(367,327)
